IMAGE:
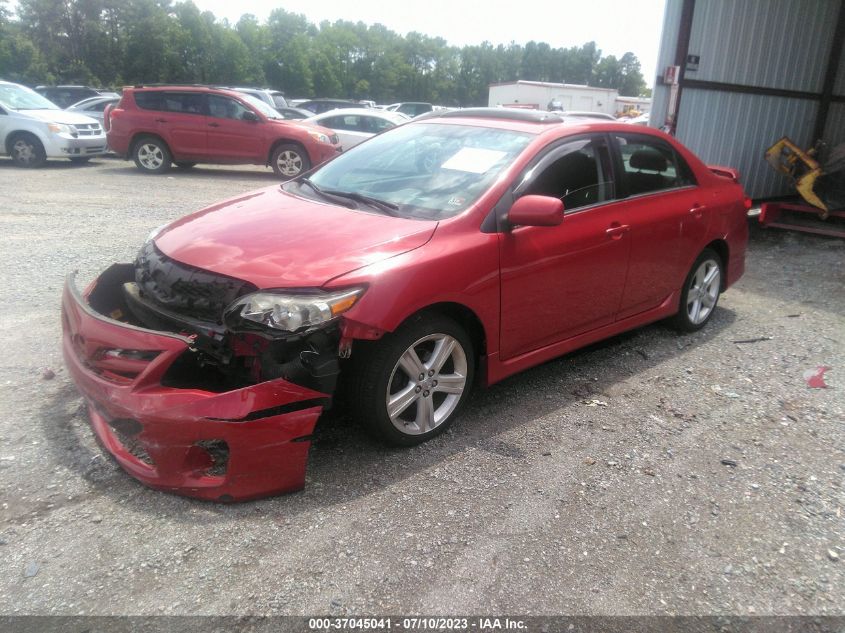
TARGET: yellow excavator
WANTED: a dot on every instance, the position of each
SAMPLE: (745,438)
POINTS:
(820,183)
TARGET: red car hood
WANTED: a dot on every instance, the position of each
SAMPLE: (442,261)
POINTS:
(276,240)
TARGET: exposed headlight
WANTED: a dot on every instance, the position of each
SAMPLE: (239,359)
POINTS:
(319,136)
(61,128)
(293,312)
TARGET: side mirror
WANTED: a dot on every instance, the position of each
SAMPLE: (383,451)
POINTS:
(536,211)
(249,115)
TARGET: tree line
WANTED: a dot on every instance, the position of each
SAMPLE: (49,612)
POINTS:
(122,42)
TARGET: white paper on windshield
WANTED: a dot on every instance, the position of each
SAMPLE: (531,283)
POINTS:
(473,160)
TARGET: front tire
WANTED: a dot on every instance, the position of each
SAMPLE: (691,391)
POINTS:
(289,161)
(410,386)
(701,292)
(27,151)
(151,155)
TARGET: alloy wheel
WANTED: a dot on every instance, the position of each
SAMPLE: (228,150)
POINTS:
(151,156)
(703,291)
(289,163)
(426,384)
(24,152)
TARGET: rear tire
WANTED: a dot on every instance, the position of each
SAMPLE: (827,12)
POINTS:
(289,161)
(151,155)
(409,387)
(700,293)
(26,150)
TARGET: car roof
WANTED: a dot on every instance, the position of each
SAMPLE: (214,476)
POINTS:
(373,112)
(187,88)
(588,114)
(91,100)
(529,121)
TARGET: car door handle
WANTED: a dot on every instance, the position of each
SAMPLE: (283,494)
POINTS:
(213,125)
(697,210)
(617,231)
(161,120)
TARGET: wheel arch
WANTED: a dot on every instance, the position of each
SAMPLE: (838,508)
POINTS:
(458,312)
(139,135)
(7,142)
(720,246)
(287,141)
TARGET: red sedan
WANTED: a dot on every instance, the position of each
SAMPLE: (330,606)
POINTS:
(448,252)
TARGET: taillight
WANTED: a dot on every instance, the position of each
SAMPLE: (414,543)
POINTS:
(748,203)
(107,117)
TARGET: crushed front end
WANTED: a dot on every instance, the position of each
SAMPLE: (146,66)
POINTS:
(186,395)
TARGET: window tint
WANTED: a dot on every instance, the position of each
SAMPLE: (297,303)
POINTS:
(186,102)
(225,108)
(343,122)
(651,165)
(578,173)
(375,125)
(99,107)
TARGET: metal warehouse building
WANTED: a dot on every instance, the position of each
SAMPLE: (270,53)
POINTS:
(737,75)
(538,94)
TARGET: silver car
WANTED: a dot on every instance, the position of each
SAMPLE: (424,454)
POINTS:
(33,129)
(93,106)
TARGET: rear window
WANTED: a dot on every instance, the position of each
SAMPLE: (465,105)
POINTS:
(166,101)
(651,165)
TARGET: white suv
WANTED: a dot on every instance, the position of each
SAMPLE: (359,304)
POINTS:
(33,129)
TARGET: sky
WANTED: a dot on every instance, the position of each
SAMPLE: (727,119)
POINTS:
(617,26)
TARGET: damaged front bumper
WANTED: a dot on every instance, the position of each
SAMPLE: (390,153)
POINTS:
(232,445)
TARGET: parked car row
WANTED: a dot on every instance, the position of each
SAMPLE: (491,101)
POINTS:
(161,126)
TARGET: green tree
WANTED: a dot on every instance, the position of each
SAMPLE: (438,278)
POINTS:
(108,42)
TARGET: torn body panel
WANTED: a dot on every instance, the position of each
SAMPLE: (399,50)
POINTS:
(232,445)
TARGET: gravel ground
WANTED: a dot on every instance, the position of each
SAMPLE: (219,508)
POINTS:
(651,474)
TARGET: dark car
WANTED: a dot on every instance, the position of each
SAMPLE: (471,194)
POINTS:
(318,106)
(185,125)
(295,113)
(64,96)
(444,253)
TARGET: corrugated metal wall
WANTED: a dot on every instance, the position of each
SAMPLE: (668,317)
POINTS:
(768,43)
(771,44)
(839,84)
(728,128)
(834,131)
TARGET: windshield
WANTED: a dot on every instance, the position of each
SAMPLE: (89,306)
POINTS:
(15,97)
(429,171)
(263,108)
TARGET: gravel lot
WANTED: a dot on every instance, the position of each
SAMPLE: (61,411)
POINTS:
(652,474)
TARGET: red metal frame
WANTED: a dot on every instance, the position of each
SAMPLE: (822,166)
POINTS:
(771,217)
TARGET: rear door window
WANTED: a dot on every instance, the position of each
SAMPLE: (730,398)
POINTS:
(167,101)
(650,165)
(347,122)
(225,108)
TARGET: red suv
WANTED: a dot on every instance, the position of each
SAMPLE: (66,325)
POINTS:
(186,125)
